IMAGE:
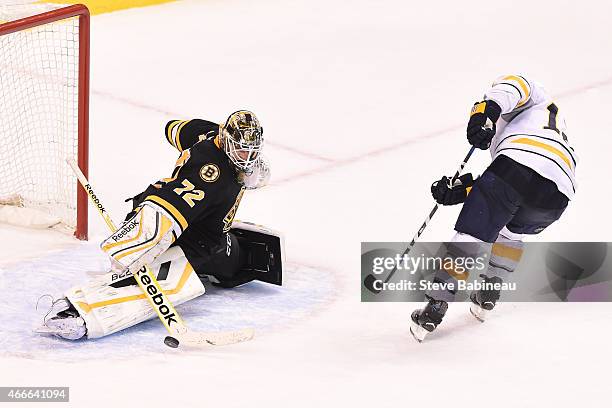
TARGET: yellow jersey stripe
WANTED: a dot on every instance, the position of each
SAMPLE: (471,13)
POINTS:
(177,137)
(524,86)
(170,208)
(521,103)
(180,162)
(182,281)
(169,132)
(545,146)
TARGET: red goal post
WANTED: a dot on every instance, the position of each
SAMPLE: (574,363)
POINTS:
(76,126)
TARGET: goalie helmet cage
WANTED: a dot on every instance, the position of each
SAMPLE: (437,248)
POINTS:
(44,110)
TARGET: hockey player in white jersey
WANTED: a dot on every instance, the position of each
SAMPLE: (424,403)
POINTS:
(526,188)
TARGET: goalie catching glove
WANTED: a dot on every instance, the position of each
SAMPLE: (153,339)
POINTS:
(446,193)
(141,238)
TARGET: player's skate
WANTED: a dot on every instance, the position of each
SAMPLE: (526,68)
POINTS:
(483,301)
(62,320)
(425,320)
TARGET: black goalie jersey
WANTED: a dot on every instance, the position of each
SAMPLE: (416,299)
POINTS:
(203,193)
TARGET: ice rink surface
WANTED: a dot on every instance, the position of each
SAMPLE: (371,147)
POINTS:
(363,104)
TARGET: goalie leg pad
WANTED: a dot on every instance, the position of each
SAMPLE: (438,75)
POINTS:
(110,303)
(140,239)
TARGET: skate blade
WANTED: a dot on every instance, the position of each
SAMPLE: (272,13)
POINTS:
(418,332)
(478,312)
(62,329)
(42,330)
(47,331)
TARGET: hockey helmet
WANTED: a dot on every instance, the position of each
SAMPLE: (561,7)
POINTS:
(242,137)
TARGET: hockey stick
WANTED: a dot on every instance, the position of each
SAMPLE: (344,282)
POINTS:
(369,280)
(179,332)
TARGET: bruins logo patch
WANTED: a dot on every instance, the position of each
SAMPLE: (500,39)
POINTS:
(210,172)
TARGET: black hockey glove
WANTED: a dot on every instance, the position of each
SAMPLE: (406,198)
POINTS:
(136,201)
(446,194)
(481,127)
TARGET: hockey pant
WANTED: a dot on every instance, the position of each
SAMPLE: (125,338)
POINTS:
(507,201)
(510,195)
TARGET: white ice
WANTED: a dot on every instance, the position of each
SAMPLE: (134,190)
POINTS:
(363,104)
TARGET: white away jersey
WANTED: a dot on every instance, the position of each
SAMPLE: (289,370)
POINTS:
(532,131)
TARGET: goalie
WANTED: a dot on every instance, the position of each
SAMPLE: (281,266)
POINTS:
(182,227)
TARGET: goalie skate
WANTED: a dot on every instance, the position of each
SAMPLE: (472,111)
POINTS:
(63,321)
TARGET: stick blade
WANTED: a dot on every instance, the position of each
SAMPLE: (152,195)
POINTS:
(199,339)
(368,282)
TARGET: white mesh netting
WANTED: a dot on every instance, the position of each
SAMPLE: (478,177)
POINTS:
(39,112)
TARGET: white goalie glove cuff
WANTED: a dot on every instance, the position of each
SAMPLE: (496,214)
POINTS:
(139,240)
(260,175)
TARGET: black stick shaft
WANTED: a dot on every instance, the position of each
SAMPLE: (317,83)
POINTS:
(431,214)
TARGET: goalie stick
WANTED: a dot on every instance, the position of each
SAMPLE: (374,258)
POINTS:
(180,334)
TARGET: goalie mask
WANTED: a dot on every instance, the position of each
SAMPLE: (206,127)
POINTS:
(242,137)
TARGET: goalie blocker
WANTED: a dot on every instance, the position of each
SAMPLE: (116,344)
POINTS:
(250,252)
(113,302)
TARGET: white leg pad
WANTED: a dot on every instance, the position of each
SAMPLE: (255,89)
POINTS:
(107,309)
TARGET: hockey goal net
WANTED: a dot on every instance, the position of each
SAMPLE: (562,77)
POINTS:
(44,92)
